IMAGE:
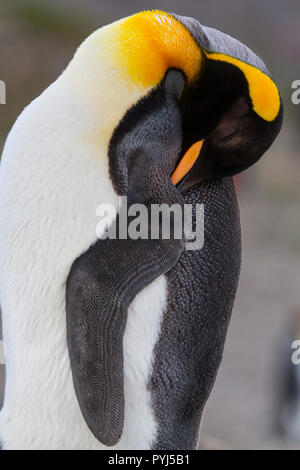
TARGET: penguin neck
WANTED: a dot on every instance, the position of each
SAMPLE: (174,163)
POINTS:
(100,89)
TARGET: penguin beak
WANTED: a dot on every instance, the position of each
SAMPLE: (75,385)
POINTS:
(187,162)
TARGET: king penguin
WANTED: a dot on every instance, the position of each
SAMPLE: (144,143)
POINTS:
(117,343)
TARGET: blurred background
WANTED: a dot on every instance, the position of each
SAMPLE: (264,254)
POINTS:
(256,398)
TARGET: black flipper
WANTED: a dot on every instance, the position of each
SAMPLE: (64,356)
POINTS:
(102,284)
(104,280)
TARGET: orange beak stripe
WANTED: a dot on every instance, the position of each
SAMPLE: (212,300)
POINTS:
(187,162)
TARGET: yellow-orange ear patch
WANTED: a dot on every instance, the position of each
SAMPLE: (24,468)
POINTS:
(263,91)
(151,42)
(139,50)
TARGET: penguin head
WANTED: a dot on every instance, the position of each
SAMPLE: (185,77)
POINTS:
(234,107)
(222,96)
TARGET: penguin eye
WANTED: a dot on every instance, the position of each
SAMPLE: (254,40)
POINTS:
(228,138)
